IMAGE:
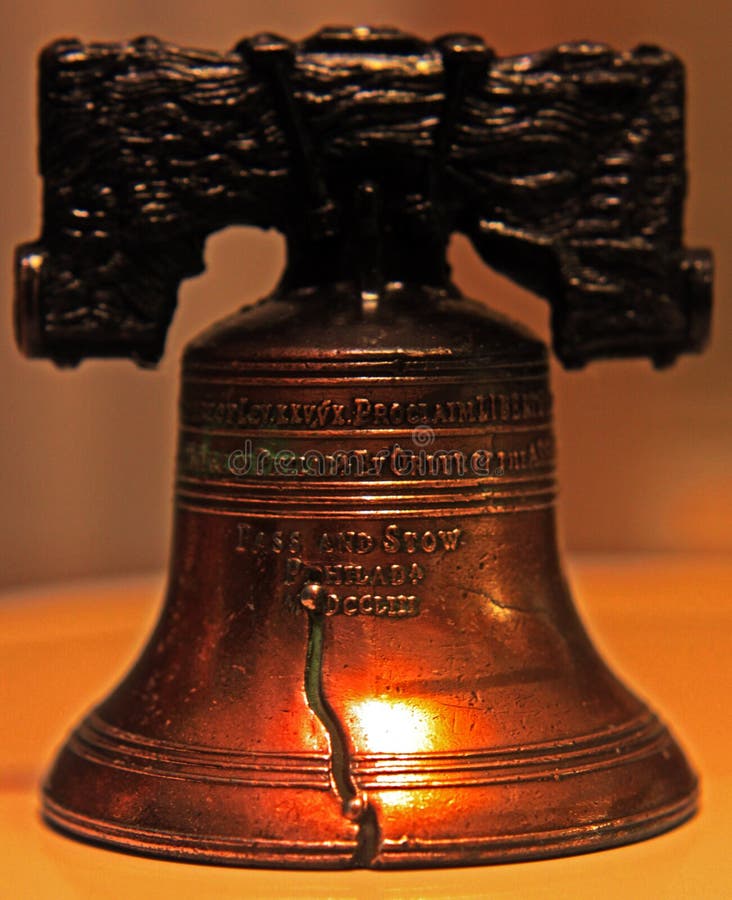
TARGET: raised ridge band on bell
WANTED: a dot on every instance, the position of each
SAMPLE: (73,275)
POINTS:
(107,745)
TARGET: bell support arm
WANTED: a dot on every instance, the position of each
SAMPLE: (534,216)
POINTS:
(565,168)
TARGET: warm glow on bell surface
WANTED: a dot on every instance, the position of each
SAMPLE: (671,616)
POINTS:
(388,726)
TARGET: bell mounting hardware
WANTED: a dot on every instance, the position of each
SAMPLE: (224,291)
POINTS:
(564,168)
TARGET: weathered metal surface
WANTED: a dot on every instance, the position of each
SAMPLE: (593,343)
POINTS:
(368,655)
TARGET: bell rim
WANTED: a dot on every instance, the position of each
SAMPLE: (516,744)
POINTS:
(416,854)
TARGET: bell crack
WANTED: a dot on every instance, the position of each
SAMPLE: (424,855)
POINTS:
(354,802)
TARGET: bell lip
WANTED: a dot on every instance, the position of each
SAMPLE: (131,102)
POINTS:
(654,762)
(570,841)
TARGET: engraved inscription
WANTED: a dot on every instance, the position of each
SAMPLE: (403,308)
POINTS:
(253,540)
(351,574)
(397,539)
(392,606)
(335,559)
(393,540)
(363,412)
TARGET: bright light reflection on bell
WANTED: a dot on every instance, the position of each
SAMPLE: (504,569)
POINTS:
(386,726)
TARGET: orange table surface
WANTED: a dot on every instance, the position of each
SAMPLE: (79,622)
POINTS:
(665,623)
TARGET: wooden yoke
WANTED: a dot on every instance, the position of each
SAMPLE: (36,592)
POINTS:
(565,168)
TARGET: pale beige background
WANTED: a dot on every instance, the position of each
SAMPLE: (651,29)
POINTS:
(86,457)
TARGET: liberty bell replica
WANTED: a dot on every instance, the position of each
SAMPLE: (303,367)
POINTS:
(368,655)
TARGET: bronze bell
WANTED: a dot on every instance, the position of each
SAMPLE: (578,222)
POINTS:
(368,655)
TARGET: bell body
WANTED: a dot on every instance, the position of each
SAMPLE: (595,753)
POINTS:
(368,655)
